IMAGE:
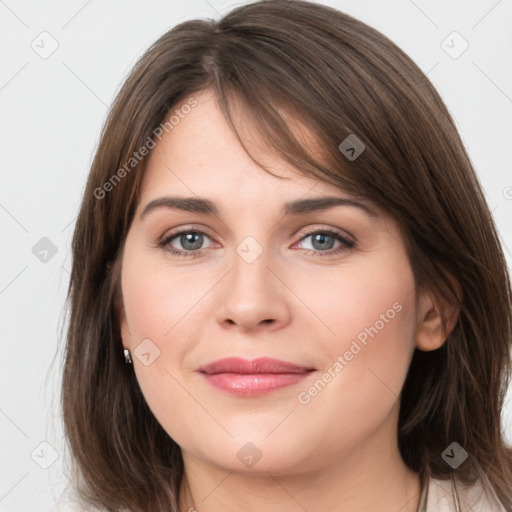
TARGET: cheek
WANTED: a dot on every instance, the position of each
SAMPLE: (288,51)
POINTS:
(159,307)
(371,302)
(157,302)
(371,314)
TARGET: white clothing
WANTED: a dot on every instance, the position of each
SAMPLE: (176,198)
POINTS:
(453,496)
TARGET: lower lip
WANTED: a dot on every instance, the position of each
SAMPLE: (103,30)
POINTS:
(254,384)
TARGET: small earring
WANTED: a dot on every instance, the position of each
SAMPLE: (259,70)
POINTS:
(127,356)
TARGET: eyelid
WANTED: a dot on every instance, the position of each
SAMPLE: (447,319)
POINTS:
(346,240)
(186,228)
(325,228)
(300,232)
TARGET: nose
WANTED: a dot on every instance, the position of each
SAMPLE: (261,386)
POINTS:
(253,295)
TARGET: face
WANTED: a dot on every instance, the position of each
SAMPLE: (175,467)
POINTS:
(327,292)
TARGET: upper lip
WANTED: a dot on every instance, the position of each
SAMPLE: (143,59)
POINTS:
(246,366)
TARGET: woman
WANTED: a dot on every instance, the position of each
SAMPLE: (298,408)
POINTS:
(337,333)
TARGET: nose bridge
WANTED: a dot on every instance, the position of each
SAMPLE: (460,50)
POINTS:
(252,293)
(251,275)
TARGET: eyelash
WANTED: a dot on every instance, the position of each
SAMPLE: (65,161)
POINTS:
(347,244)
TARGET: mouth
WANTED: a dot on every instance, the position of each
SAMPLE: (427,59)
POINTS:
(243,377)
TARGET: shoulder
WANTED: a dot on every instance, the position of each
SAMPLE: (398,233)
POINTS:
(443,496)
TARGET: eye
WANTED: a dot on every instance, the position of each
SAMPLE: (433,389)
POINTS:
(323,240)
(192,240)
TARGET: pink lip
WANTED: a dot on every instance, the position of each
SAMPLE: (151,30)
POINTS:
(252,378)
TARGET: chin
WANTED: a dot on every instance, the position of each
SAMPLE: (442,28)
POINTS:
(254,455)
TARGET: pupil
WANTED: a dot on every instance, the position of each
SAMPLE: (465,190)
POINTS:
(321,238)
(189,239)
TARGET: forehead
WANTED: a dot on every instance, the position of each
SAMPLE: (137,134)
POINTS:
(202,155)
(200,166)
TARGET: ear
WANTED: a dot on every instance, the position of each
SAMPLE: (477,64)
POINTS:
(437,317)
(118,304)
(123,323)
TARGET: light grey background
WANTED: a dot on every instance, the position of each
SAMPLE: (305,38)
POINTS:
(51,113)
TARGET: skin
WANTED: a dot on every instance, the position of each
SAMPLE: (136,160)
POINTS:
(337,452)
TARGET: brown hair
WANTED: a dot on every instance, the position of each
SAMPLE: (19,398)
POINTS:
(339,77)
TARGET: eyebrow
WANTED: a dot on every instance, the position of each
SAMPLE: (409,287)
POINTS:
(298,207)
